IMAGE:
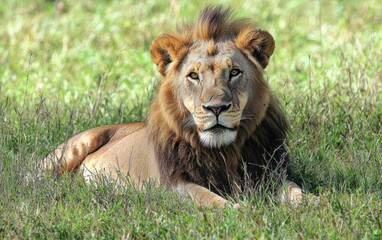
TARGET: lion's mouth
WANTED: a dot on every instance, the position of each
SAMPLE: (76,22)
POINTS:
(218,127)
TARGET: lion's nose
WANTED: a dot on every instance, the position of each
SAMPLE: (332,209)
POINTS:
(217,109)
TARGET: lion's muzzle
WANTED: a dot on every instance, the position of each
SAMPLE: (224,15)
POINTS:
(217,123)
(217,109)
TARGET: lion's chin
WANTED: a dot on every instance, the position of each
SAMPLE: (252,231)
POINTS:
(217,138)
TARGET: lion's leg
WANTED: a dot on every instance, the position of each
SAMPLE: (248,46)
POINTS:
(68,156)
(292,193)
(200,194)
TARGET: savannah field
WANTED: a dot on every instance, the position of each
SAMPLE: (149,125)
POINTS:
(67,66)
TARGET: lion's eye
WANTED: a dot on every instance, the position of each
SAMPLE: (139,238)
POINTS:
(194,76)
(234,72)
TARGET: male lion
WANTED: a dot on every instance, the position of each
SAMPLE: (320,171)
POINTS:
(213,126)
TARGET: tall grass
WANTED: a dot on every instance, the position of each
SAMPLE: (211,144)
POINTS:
(67,66)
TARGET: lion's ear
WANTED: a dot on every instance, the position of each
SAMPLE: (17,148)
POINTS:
(164,50)
(260,44)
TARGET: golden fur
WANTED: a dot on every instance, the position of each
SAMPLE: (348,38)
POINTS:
(213,126)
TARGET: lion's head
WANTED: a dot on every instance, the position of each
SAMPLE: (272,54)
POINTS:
(213,77)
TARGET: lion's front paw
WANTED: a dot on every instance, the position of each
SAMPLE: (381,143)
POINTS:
(312,199)
(291,193)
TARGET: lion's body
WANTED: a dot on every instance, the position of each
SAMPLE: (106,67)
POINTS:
(111,151)
(212,127)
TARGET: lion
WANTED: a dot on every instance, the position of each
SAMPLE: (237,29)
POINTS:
(213,126)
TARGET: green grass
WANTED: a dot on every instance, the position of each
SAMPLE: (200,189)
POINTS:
(64,69)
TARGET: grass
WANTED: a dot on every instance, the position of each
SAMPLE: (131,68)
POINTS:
(67,66)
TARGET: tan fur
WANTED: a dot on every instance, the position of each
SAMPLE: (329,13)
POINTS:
(211,49)
(206,136)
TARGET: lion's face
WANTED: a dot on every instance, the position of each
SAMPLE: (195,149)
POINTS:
(215,84)
(219,83)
